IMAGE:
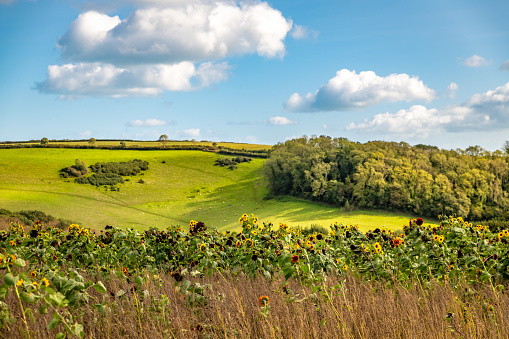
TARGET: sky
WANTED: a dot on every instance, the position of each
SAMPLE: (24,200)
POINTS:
(428,72)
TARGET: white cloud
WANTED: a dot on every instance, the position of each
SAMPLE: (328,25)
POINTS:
(302,32)
(191,132)
(451,89)
(505,66)
(280,121)
(96,79)
(147,123)
(349,90)
(486,111)
(170,45)
(475,61)
(200,31)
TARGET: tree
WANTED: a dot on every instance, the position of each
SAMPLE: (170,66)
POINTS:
(44,141)
(505,148)
(163,138)
(123,144)
(92,141)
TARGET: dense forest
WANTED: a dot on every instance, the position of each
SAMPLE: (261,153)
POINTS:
(426,180)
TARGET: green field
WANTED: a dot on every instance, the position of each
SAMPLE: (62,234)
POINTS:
(185,187)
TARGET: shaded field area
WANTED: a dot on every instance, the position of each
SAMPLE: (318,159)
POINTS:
(178,187)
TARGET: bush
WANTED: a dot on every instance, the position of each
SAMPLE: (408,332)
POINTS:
(35,216)
(133,167)
(79,169)
(231,163)
(4,211)
(100,179)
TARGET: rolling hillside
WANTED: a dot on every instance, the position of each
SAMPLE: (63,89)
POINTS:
(178,187)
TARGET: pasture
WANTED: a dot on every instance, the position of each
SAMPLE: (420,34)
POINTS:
(179,186)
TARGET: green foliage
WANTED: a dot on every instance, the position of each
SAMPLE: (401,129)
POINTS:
(111,173)
(422,179)
(44,141)
(128,168)
(101,179)
(79,169)
(231,163)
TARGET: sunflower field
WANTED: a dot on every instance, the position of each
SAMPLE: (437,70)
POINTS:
(51,276)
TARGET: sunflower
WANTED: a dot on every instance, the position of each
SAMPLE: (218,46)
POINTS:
(253,232)
(251,243)
(377,247)
(312,247)
(419,221)
(36,284)
(12,243)
(125,270)
(264,301)
(238,243)
(33,274)
(295,258)
(397,241)
(45,281)
(20,282)
(345,267)
(338,261)
(203,247)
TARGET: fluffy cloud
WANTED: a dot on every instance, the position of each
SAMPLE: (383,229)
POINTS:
(147,123)
(198,32)
(280,121)
(505,66)
(349,90)
(486,111)
(171,45)
(475,61)
(96,79)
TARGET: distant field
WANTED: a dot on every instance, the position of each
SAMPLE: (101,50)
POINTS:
(186,186)
(99,143)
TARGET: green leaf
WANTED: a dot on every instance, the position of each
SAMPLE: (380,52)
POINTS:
(60,335)
(54,322)
(20,262)
(4,290)
(43,309)
(28,297)
(99,287)
(77,330)
(138,280)
(9,279)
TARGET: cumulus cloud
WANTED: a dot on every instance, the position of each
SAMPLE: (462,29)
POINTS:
(349,90)
(505,66)
(96,79)
(485,111)
(280,121)
(147,123)
(198,32)
(173,45)
(475,61)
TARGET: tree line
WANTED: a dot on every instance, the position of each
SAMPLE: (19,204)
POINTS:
(472,183)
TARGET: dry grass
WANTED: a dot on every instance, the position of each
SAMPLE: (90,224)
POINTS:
(354,309)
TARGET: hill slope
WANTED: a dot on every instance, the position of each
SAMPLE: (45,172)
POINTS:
(179,186)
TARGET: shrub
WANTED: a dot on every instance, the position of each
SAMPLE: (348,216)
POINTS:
(79,169)
(100,179)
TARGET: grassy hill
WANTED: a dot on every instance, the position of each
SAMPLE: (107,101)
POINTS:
(179,186)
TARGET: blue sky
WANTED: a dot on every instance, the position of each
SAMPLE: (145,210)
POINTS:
(430,72)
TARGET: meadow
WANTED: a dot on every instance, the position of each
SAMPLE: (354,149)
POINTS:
(179,186)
